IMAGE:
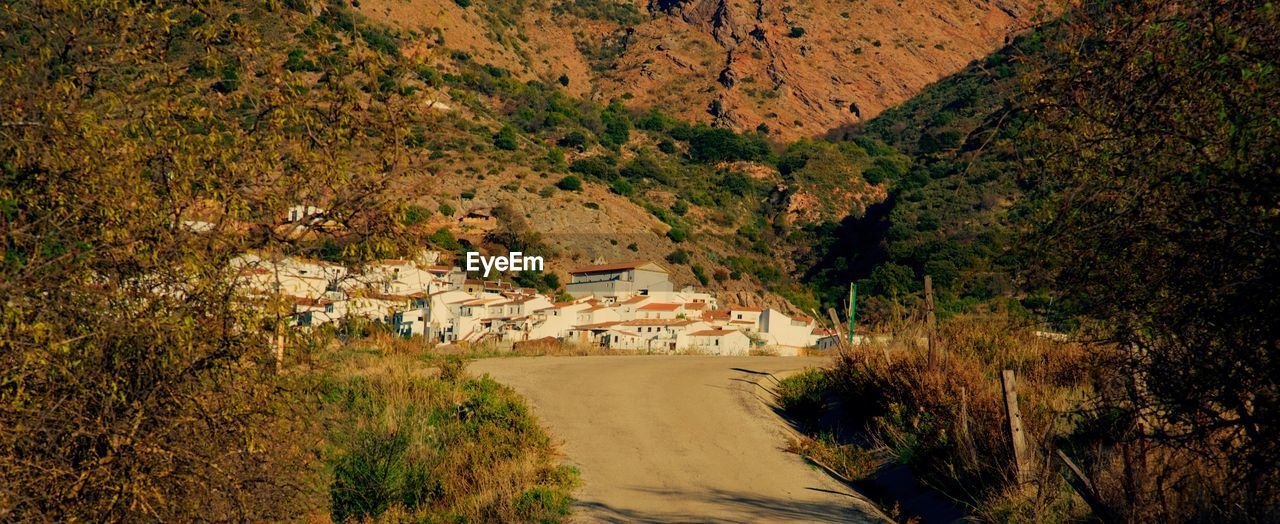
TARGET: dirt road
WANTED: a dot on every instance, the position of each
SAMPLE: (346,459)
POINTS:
(679,438)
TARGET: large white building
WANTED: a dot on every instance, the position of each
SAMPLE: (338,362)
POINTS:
(622,278)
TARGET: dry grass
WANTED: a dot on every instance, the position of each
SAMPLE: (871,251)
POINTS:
(410,441)
(947,421)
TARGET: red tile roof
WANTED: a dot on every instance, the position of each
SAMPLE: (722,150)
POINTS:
(745,308)
(657,306)
(712,333)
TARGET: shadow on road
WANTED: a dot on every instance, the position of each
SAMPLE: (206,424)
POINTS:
(746,507)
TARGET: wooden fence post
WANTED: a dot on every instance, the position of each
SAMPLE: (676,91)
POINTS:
(931,320)
(1016,434)
(1087,490)
(835,323)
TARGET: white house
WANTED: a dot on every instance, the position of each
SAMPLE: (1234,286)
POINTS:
(597,314)
(443,310)
(641,277)
(742,317)
(299,213)
(660,310)
(310,312)
(404,277)
(557,320)
(720,342)
(787,333)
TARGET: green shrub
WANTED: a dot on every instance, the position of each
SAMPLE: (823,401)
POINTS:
(642,167)
(555,157)
(505,139)
(602,167)
(680,207)
(617,125)
(376,474)
(574,139)
(446,210)
(444,239)
(699,274)
(801,396)
(415,214)
(297,61)
(622,187)
(678,234)
(570,183)
(679,256)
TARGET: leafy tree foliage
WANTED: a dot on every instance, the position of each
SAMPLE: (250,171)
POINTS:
(506,139)
(1156,157)
(135,378)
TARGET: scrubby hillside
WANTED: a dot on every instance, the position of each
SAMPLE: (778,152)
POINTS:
(957,212)
(796,69)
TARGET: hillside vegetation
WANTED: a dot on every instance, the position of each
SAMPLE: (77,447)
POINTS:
(795,69)
(1144,135)
(959,212)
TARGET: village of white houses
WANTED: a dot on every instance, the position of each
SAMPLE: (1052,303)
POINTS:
(629,306)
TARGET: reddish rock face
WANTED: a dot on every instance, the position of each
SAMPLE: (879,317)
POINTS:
(801,68)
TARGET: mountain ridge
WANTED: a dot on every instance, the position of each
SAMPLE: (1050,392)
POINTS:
(795,69)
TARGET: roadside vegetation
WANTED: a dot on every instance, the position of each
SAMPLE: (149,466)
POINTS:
(1149,224)
(884,404)
(407,441)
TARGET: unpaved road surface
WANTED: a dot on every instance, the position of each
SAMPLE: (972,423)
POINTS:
(678,438)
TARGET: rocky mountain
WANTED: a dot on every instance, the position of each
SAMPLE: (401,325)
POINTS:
(795,69)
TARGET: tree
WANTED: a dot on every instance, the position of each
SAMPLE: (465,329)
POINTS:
(506,139)
(711,145)
(574,139)
(617,125)
(1155,157)
(135,381)
(644,166)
